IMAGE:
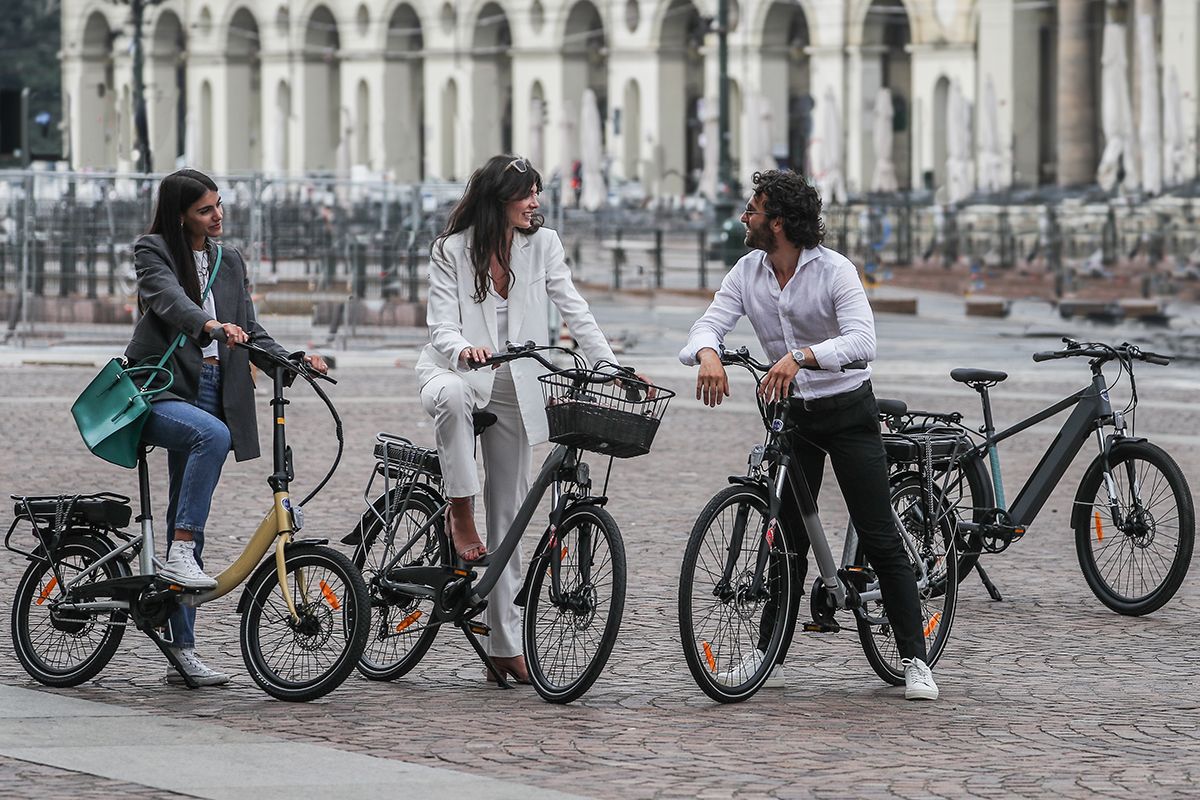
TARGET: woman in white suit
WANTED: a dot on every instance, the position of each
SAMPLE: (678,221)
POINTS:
(493,274)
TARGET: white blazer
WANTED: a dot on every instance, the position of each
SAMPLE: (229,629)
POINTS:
(456,321)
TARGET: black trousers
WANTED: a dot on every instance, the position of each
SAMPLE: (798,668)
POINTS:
(849,433)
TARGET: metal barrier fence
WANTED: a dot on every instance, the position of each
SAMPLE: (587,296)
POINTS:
(70,235)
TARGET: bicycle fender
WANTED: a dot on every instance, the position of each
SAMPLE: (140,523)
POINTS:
(744,480)
(538,561)
(1082,505)
(379,505)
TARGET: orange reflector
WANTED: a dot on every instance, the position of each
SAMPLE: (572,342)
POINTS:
(563,555)
(46,592)
(931,626)
(279,421)
(708,656)
(409,620)
(330,597)
(1099,526)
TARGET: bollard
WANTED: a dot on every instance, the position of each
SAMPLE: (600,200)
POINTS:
(412,271)
(658,258)
(618,254)
(358,263)
(387,288)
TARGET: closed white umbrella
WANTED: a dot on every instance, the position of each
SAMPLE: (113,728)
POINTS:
(1116,111)
(1174,149)
(537,136)
(829,176)
(592,145)
(958,138)
(1149,122)
(710,145)
(883,179)
(566,131)
(191,141)
(991,161)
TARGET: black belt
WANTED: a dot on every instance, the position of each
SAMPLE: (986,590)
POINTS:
(835,401)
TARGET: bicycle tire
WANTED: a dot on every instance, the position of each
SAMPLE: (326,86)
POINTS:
(400,633)
(938,599)
(332,601)
(1157,538)
(701,572)
(83,643)
(552,629)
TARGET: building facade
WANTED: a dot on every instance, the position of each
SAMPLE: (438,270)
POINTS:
(427,89)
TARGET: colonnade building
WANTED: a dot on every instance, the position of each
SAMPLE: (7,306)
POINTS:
(424,90)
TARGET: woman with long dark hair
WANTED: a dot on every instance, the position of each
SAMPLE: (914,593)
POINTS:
(209,408)
(494,271)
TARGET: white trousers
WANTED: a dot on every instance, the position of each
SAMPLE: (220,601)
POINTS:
(507,458)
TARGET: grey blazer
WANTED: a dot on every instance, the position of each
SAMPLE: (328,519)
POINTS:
(167,311)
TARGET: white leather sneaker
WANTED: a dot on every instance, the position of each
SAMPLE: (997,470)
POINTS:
(918,680)
(747,667)
(181,567)
(197,670)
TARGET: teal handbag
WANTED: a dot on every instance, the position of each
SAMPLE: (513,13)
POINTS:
(111,412)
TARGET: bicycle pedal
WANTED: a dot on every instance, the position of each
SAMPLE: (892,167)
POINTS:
(479,629)
(856,576)
(816,626)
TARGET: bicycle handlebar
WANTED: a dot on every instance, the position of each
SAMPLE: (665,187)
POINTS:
(742,358)
(294,362)
(1102,351)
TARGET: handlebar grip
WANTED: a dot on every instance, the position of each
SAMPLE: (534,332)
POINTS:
(1046,355)
(1155,358)
(859,364)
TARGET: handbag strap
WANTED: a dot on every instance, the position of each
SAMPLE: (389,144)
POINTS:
(179,340)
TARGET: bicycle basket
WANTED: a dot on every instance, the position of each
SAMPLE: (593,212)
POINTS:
(401,458)
(588,409)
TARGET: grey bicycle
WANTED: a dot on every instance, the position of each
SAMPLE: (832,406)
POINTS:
(1132,516)
(737,591)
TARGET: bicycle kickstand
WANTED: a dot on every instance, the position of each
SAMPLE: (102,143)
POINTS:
(165,647)
(987,583)
(470,629)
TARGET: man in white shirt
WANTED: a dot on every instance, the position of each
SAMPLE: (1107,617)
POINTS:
(808,308)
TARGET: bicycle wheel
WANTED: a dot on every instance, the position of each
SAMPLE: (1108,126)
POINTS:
(305,659)
(1134,547)
(731,634)
(569,633)
(60,648)
(401,632)
(938,596)
(966,496)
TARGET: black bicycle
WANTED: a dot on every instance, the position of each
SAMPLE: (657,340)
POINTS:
(738,602)
(574,590)
(1133,516)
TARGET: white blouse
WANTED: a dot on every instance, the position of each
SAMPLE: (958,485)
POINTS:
(210,304)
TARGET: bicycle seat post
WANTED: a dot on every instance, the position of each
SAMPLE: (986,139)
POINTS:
(145,517)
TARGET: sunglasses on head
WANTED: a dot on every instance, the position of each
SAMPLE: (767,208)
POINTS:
(519,164)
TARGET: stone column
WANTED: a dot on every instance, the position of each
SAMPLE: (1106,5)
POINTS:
(1077,117)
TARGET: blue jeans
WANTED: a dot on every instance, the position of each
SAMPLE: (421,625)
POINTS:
(197,442)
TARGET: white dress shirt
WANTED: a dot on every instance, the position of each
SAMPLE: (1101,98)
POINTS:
(210,303)
(822,307)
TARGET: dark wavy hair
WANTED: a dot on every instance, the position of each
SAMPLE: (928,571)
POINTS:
(482,209)
(178,192)
(794,200)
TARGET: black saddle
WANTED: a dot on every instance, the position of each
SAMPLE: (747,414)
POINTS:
(892,408)
(978,377)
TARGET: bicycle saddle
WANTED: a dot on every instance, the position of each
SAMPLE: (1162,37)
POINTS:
(482,420)
(970,375)
(892,408)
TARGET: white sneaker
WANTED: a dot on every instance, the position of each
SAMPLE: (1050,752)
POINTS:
(918,680)
(181,567)
(747,667)
(197,670)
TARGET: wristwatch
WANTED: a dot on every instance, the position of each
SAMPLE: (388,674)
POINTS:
(798,355)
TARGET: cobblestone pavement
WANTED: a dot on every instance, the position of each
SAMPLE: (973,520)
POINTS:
(1046,693)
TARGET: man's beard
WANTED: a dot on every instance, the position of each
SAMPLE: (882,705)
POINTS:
(760,239)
